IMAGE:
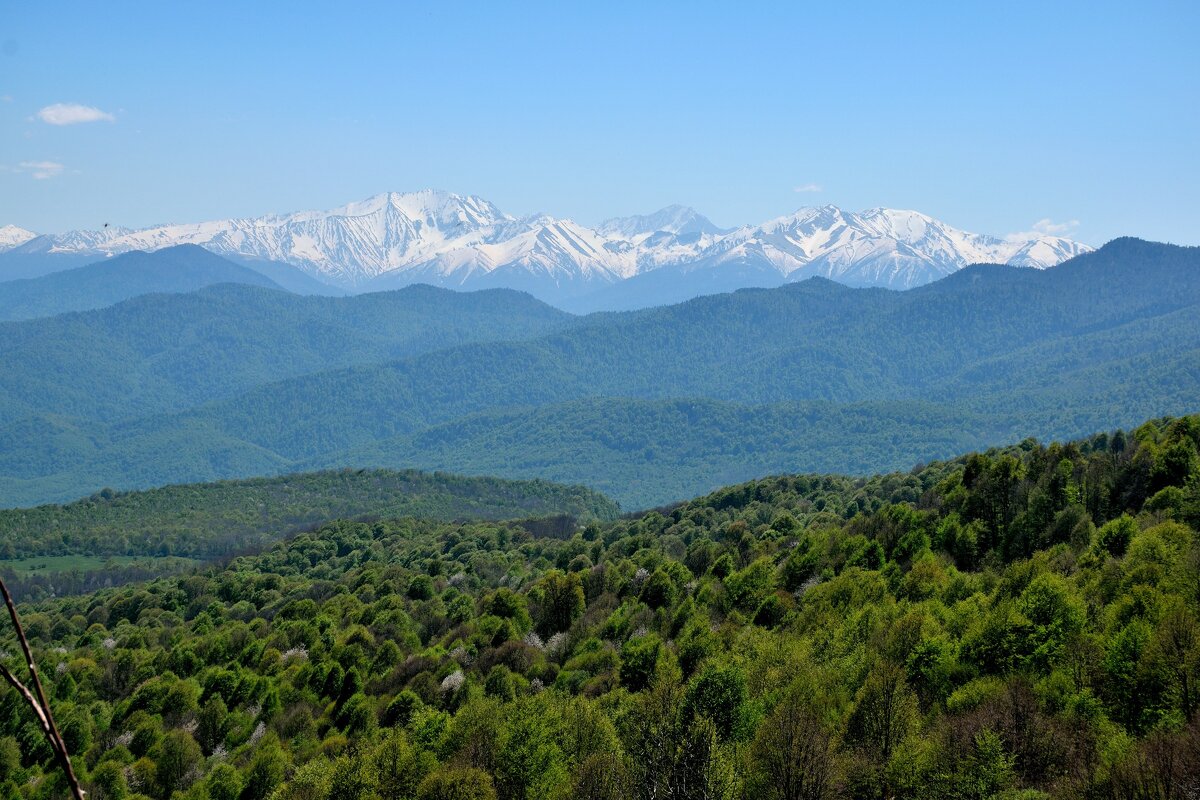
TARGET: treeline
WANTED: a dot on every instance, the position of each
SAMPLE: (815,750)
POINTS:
(1021,623)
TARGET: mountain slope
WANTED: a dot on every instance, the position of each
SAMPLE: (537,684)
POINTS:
(288,277)
(12,236)
(812,374)
(159,353)
(182,268)
(676,220)
(464,241)
(32,261)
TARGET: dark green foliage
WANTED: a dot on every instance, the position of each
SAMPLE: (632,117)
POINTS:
(718,694)
(560,600)
(659,590)
(792,756)
(224,782)
(265,771)
(400,711)
(108,780)
(420,587)
(205,520)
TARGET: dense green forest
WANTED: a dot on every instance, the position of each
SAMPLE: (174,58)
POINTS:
(169,352)
(216,520)
(809,376)
(1018,623)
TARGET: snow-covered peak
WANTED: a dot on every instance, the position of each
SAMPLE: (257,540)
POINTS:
(876,247)
(1045,251)
(12,236)
(462,240)
(673,219)
(427,204)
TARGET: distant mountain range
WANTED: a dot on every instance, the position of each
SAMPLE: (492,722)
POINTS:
(465,242)
(648,406)
(183,268)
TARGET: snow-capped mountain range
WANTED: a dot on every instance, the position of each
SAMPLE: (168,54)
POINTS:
(463,241)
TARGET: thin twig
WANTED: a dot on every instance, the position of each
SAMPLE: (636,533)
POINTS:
(28,695)
(41,707)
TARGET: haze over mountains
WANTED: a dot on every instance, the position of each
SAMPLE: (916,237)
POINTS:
(648,406)
(175,269)
(465,242)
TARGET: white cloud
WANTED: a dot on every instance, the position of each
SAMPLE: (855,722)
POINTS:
(809,187)
(7,98)
(42,170)
(73,114)
(1049,227)
(1044,227)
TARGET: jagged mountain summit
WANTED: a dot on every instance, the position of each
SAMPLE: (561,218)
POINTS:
(878,247)
(11,236)
(675,219)
(464,241)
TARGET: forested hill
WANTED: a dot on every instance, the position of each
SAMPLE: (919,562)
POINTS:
(168,352)
(1020,623)
(218,519)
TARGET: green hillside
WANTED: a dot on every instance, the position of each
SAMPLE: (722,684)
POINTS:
(655,405)
(160,353)
(217,520)
(1020,623)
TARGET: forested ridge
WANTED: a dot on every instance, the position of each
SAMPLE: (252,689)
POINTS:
(174,269)
(1018,623)
(812,376)
(167,352)
(210,519)
(213,521)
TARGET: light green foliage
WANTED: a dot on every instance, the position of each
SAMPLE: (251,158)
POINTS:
(639,659)
(1115,536)
(457,784)
(530,763)
(794,637)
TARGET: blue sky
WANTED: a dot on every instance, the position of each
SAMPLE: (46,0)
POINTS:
(993,117)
